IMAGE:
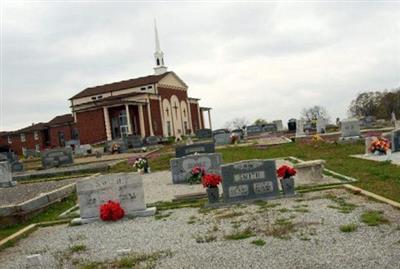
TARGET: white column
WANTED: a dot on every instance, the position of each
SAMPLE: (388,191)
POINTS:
(128,119)
(209,118)
(149,115)
(163,123)
(107,123)
(141,119)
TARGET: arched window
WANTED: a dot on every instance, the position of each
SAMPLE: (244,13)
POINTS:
(158,62)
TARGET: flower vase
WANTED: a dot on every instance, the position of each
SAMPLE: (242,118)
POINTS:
(213,195)
(288,186)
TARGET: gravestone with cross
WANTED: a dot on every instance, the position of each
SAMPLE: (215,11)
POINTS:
(395,140)
(125,188)
(181,167)
(250,179)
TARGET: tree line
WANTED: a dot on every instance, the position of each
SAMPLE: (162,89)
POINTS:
(379,104)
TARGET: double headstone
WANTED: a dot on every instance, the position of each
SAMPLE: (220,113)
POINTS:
(31,153)
(181,167)
(254,129)
(252,179)
(184,150)
(270,127)
(222,139)
(350,128)
(395,140)
(204,133)
(57,157)
(5,175)
(125,188)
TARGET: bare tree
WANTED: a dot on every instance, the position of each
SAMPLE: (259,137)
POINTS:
(314,112)
(236,123)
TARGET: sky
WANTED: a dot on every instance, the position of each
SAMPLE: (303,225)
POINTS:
(248,59)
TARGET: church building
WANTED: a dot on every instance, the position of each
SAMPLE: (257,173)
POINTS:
(154,105)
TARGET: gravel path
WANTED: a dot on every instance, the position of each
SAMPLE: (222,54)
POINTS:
(314,242)
(24,192)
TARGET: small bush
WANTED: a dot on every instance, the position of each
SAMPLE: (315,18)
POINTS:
(348,228)
(258,242)
(373,218)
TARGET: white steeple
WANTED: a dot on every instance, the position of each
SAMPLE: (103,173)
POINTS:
(158,54)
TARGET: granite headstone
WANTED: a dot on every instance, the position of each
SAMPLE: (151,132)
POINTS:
(395,140)
(181,167)
(254,129)
(222,139)
(134,141)
(279,125)
(184,150)
(57,157)
(251,179)
(204,134)
(5,175)
(350,128)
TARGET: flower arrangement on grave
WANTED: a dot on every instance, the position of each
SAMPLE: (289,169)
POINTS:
(235,139)
(317,138)
(285,174)
(211,182)
(141,165)
(195,175)
(380,146)
(111,211)
(115,148)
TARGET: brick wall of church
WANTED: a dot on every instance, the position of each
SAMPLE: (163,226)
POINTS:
(194,112)
(167,93)
(91,126)
(156,117)
(54,134)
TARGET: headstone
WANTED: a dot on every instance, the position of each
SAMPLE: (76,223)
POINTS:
(184,150)
(292,125)
(152,140)
(321,125)
(5,175)
(350,128)
(270,127)
(222,139)
(254,129)
(279,125)
(134,141)
(395,140)
(310,171)
(125,188)
(368,142)
(251,179)
(16,166)
(83,149)
(57,157)
(204,134)
(397,124)
(300,128)
(181,167)
(72,143)
(31,153)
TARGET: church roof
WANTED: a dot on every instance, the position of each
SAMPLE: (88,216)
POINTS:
(120,85)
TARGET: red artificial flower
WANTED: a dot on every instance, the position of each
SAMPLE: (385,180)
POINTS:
(285,171)
(197,170)
(211,180)
(111,211)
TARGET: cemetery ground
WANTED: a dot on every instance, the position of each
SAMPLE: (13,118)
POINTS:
(317,229)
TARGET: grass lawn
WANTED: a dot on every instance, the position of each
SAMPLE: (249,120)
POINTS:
(380,178)
(49,214)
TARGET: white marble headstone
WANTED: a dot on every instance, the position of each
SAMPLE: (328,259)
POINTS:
(321,125)
(350,128)
(125,188)
(300,128)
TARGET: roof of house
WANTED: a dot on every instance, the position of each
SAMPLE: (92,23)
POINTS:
(62,119)
(34,127)
(125,84)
